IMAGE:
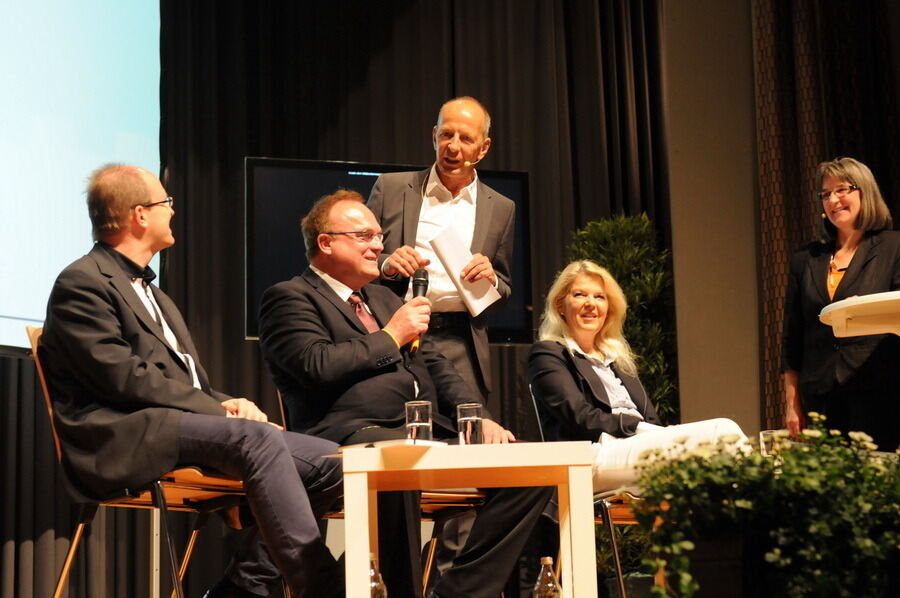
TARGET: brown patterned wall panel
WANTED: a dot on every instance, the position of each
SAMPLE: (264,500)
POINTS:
(824,88)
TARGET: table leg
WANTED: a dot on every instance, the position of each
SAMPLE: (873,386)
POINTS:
(373,522)
(565,541)
(357,527)
(576,531)
(581,518)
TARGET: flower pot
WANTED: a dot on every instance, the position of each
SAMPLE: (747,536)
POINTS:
(637,585)
(717,563)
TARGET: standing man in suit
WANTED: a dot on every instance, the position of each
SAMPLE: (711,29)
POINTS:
(412,207)
(337,349)
(132,400)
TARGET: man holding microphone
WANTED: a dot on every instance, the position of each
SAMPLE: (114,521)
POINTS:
(339,350)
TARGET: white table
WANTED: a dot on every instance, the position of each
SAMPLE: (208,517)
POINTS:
(566,465)
(878,313)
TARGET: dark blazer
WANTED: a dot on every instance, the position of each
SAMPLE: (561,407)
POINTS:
(572,401)
(396,201)
(335,377)
(810,347)
(118,388)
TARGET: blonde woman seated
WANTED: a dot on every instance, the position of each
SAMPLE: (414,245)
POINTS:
(586,385)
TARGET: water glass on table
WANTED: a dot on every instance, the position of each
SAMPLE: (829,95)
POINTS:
(770,440)
(469,422)
(418,420)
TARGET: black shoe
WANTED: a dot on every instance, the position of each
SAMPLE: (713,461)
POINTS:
(228,589)
(237,516)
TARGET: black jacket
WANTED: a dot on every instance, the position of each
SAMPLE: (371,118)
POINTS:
(335,377)
(572,401)
(118,388)
(810,347)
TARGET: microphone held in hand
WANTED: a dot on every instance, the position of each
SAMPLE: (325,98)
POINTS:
(419,289)
(420,282)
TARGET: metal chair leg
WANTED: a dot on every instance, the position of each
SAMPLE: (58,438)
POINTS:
(607,520)
(159,501)
(85,516)
(432,550)
(201,520)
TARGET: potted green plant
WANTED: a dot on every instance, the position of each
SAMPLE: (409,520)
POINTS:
(627,246)
(634,544)
(819,518)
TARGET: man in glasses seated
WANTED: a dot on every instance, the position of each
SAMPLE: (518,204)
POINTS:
(133,402)
(338,348)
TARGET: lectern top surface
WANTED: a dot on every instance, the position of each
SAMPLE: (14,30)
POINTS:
(874,304)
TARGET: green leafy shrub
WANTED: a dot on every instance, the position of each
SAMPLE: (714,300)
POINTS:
(627,247)
(819,519)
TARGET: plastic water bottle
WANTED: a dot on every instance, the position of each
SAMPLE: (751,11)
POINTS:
(377,589)
(547,586)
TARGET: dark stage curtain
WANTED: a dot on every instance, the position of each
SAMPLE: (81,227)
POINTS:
(824,88)
(38,516)
(575,90)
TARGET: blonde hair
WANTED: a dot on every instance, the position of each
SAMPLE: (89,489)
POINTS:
(873,212)
(610,340)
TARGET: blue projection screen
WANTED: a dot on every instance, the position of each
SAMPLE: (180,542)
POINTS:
(80,89)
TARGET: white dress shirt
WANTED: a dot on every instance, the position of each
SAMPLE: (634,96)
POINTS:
(340,289)
(146,296)
(441,209)
(619,399)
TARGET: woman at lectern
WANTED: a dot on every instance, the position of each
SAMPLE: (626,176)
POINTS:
(585,382)
(854,382)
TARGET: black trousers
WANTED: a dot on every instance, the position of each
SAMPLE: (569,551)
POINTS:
(850,409)
(452,335)
(481,569)
(289,484)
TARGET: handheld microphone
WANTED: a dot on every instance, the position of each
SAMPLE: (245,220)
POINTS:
(419,289)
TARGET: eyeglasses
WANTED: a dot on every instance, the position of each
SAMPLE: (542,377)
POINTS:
(361,236)
(841,192)
(169,201)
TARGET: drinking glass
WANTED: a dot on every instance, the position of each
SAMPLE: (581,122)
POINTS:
(418,420)
(469,421)
(767,442)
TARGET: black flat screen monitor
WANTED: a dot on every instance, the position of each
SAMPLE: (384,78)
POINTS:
(279,192)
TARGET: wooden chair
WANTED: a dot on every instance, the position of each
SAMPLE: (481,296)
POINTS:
(610,509)
(438,506)
(183,489)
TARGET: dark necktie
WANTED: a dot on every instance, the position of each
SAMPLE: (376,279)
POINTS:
(154,313)
(157,315)
(367,319)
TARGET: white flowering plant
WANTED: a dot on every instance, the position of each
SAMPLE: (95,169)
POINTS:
(818,517)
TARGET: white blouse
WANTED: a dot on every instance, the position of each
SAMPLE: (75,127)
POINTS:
(619,399)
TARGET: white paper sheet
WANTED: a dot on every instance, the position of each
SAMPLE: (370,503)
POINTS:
(454,255)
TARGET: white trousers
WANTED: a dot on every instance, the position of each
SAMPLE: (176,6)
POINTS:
(615,458)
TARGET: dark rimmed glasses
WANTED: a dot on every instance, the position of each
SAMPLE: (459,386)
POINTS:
(169,202)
